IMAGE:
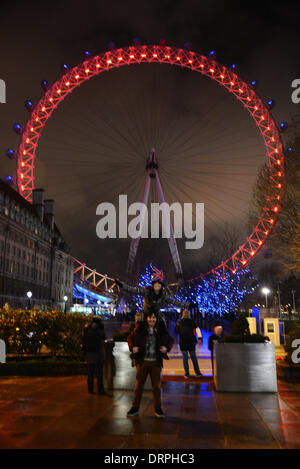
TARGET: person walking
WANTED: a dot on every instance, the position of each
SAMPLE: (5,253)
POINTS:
(149,342)
(217,336)
(93,348)
(187,341)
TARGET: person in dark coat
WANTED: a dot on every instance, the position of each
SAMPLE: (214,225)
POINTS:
(187,341)
(155,297)
(217,336)
(148,342)
(93,348)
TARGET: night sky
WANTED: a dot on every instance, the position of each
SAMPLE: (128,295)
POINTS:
(96,144)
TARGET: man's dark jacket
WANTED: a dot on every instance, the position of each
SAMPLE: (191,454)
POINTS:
(186,330)
(138,338)
(93,342)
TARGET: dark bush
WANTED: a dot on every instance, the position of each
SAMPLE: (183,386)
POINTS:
(240,332)
(27,332)
(249,339)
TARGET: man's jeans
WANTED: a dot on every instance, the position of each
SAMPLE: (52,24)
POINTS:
(142,371)
(98,367)
(192,353)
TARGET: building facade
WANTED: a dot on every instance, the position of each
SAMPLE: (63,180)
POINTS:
(34,257)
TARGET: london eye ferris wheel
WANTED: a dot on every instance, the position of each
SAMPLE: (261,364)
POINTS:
(208,150)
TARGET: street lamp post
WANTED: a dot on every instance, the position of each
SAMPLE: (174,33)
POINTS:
(29,295)
(266,291)
(279,300)
(294,303)
(65,300)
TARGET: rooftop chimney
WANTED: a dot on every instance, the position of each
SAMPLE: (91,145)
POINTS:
(38,202)
(49,212)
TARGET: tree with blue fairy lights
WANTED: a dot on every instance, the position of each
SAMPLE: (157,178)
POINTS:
(212,295)
(220,295)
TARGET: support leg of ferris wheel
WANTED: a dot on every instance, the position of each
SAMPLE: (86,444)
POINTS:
(152,173)
(135,241)
(171,238)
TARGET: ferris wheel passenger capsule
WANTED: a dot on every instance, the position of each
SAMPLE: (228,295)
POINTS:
(45,85)
(28,104)
(162,41)
(187,45)
(111,45)
(136,41)
(290,149)
(9,180)
(270,104)
(88,54)
(212,54)
(18,128)
(65,67)
(253,83)
(11,154)
(282,126)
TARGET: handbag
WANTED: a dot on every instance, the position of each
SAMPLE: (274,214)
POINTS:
(198,334)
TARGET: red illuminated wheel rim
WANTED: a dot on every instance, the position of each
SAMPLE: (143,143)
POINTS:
(226,77)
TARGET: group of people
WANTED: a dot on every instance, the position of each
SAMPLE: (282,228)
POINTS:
(149,343)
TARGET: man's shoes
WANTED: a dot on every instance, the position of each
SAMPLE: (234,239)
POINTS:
(159,413)
(186,377)
(91,392)
(102,393)
(133,412)
(199,375)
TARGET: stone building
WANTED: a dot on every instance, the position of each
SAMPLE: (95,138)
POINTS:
(34,257)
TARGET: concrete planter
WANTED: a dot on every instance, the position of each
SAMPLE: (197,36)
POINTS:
(245,367)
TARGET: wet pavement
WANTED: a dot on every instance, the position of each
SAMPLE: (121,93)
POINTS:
(59,413)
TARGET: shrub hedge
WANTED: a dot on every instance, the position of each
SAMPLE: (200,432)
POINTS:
(28,332)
